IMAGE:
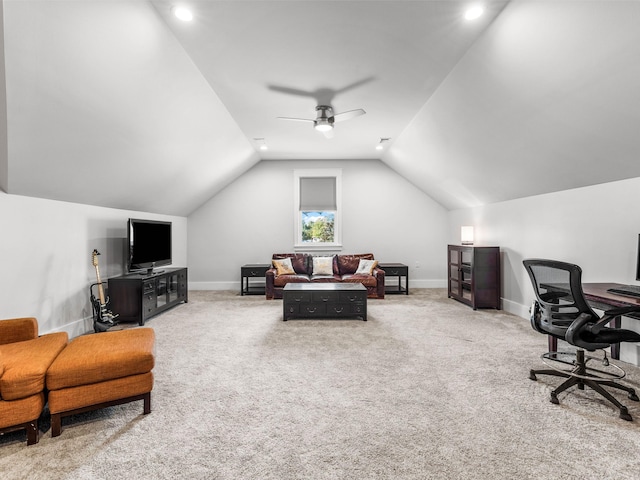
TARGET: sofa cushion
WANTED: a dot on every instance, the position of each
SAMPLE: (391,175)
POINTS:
(323,265)
(26,363)
(348,264)
(366,280)
(283,266)
(18,330)
(326,278)
(299,261)
(21,411)
(282,280)
(365,267)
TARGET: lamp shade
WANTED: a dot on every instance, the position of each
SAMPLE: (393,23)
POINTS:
(466,235)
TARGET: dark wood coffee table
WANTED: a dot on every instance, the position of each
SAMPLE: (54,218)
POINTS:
(324,300)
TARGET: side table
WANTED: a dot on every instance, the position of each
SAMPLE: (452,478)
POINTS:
(248,271)
(396,270)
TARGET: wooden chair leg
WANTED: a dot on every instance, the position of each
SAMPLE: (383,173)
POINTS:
(32,432)
(56,424)
(147,403)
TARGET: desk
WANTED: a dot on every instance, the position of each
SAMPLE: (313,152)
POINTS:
(599,298)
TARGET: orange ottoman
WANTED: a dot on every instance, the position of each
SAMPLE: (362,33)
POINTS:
(100,370)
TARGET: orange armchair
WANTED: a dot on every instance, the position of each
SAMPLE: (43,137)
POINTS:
(24,360)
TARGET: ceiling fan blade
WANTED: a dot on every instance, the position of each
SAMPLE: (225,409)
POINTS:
(291,91)
(296,119)
(354,85)
(339,117)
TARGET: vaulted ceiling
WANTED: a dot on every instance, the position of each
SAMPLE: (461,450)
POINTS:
(118,103)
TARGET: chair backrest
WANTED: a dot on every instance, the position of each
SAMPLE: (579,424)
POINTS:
(559,296)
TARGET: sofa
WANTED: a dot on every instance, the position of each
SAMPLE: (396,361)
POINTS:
(306,268)
(25,358)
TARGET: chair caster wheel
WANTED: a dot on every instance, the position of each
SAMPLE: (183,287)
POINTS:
(624,414)
(554,399)
(532,375)
(632,396)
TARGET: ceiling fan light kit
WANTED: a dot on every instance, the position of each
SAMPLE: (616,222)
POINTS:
(182,13)
(323,126)
(325,118)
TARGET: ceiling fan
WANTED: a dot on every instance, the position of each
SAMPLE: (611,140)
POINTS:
(325,118)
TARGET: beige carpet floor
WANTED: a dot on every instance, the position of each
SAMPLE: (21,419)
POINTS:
(426,389)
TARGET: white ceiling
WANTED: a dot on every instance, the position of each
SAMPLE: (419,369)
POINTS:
(111,101)
(387,57)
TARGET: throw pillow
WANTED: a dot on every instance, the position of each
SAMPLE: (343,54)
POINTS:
(365,267)
(323,265)
(283,266)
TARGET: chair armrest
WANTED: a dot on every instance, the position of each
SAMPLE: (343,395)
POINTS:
(611,314)
(615,312)
(18,330)
(378,273)
(575,329)
(269,276)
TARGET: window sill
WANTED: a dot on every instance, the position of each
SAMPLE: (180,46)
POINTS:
(314,247)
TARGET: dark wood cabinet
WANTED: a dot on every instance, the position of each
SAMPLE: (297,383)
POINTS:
(137,297)
(474,275)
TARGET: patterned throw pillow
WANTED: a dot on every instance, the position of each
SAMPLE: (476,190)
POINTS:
(283,266)
(365,267)
(323,265)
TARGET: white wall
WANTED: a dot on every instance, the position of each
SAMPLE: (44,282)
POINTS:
(45,255)
(253,218)
(4,154)
(595,227)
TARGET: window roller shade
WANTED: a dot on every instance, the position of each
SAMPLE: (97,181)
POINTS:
(318,194)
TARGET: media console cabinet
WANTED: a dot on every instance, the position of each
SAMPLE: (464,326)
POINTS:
(136,297)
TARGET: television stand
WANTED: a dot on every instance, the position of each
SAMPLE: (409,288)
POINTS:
(151,272)
(136,297)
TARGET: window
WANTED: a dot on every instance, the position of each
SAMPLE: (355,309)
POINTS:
(317,209)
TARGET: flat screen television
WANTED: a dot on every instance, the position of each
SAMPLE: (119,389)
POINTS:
(149,244)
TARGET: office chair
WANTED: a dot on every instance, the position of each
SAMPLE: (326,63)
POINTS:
(561,310)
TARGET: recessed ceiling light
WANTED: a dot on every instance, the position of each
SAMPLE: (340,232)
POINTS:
(382,143)
(183,13)
(262,143)
(474,12)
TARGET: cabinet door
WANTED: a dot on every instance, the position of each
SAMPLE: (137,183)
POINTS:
(172,287)
(161,291)
(460,273)
(455,272)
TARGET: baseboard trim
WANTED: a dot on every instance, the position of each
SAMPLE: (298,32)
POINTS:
(515,308)
(214,286)
(417,283)
(75,328)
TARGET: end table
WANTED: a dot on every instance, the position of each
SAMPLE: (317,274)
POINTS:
(256,270)
(396,270)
